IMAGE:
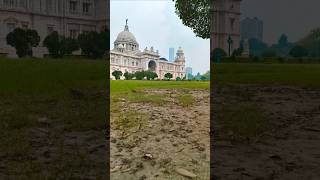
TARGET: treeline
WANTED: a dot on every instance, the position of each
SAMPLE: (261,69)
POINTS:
(307,48)
(92,44)
(141,75)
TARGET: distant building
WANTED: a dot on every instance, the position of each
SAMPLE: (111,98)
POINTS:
(189,73)
(251,28)
(171,54)
(126,56)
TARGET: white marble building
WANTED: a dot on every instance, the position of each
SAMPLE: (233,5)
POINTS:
(225,23)
(126,56)
(67,17)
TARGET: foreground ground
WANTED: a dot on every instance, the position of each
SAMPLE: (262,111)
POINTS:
(266,121)
(52,119)
(158,127)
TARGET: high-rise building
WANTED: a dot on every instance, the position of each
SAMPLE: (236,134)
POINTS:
(171,54)
(225,25)
(251,28)
(189,73)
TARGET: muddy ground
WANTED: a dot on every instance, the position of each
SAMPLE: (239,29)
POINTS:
(168,135)
(289,146)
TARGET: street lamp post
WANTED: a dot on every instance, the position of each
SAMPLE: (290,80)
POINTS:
(230,41)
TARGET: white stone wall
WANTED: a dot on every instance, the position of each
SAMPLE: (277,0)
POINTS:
(224,13)
(118,62)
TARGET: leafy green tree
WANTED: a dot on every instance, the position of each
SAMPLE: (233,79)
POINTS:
(196,15)
(94,44)
(312,43)
(52,43)
(178,79)
(203,78)
(58,46)
(237,52)
(140,75)
(128,76)
(298,52)
(68,45)
(117,74)
(23,40)
(168,76)
(150,75)
(218,52)
(283,41)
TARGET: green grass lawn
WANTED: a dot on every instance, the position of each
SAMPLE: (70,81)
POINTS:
(127,86)
(70,93)
(259,73)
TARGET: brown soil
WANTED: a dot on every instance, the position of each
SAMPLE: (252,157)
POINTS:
(288,149)
(176,136)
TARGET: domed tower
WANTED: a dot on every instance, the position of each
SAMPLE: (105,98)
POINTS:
(180,57)
(126,41)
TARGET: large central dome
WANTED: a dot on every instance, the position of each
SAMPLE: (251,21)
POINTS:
(127,40)
(126,36)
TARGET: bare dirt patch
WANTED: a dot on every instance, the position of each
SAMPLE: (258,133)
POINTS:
(287,146)
(165,137)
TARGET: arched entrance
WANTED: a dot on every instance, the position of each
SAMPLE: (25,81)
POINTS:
(152,66)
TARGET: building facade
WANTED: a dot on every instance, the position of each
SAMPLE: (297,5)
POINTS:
(127,57)
(67,17)
(251,28)
(225,25)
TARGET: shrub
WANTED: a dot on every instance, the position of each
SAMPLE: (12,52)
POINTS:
(58,46)
(117,74)
(94,44)
(168,76)
(23,40)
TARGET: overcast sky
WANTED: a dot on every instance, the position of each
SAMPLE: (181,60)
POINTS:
(295,18)
(154,23)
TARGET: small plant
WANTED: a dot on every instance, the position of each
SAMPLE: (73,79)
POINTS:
(168,76)
(117,74)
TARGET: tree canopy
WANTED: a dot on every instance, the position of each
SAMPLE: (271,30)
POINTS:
(23,40)
(196,15)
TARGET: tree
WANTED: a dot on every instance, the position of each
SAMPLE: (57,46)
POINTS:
(23,40)
(196,15)
(283,41)
(218,52)
(312,43)
(58,46)
(168,76)
(203,78)
(237,52)
(94,44)
(178,79)
(52,43)
(128,76)
(68,45)
(298,52)
(140,75)
(117,74)
(150,75)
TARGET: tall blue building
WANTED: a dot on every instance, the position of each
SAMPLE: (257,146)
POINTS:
(189,73)
(171,54)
